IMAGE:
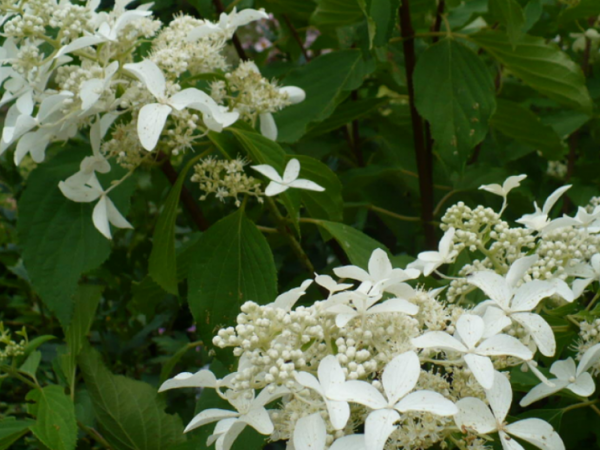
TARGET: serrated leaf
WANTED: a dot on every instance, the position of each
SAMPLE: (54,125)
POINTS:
(233,264)
(60,242)
(541,65)
(130,413)
(12,429)
(325,90)
(519,123)
(454,91)
(510,14)
(357,245)
(55,423)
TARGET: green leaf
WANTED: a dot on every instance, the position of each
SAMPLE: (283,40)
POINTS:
(32,363)
(162,266)
(12,429)
(533,11)
(357,245)
(299,8)
(519,123)
(336,13)
(510,14)
(34,344)
(325,90)
(130,413)
(552,416)
(541,65)
(55,423)
(233,264)
(454,91)
(581,10)
(59,240)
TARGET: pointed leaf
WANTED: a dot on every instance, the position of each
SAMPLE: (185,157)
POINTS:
(55,422)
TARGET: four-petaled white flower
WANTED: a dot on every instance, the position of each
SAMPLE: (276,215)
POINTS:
(380,271)
(399,378)
(517,303)
(540,218)
(290,179)
(467,339)
(427,262)
(227,24)
(474,415)
(152,117)
(331,376)
(509,184)
(568,376)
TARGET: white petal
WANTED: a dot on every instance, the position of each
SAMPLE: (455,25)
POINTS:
(509,443)
(100,217)
(482,368)
(439,340)
(292,170)
(537,432)
(500,396)
(268,127)
(204,30)
(550,201)
(470,329)
(351,442)
(339,413)
(401,375)
(258,418)
(379,264)
(564,369)
(494,189)
(519,268)
(540,331)
(78,44)
(494,285)
(395,305)
(512,182)
(151,121)
(358,392)
(427,401)
(268,171)
(310,381)
(208,416)
(495,321)
(475,415)
(275,188)
(266,396)
(584,385)
(310,433)
(589,358)
(126,18)
(352,272)
(378,427)
(503,344)
(530,294)
(202,378)
(226,440)
(295,94)
(149,74)
(301,183)
(331,373)
(183,99)
(542,390)
(78,193)
(89,92)
(115,217)
(246,16)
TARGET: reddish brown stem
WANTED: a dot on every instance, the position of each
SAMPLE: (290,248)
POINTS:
(236,41)
(296,37)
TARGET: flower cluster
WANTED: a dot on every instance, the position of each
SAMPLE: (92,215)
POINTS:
(11,347)
(384,363)
(66,67)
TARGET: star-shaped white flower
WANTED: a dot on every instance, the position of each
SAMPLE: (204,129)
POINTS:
(540,218)
(474,415)
(399,378)
(517,303)
(380,271)
(227,25)
(290,179)
(427,262)
(153,116)
(568,376)
(469,340)
(331,376)
(509,184)
(268,127)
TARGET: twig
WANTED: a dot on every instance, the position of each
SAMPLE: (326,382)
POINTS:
(423,154)
(236,41)
(267,229)
(356,136)
(296,36)
(437,25)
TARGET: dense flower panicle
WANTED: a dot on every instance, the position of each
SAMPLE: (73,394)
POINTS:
(382,363)
(65,66)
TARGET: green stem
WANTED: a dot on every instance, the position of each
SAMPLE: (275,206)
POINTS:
(593,301)
(581,405)
(15,374)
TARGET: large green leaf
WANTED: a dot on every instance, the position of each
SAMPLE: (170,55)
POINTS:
(59,240)
(328,204)
(325,88)
(130,413)
(11,430)
(299,8)
(580,10)
(541,65)
(357,245)
(454,91)
(519,123)
(336,13)
(510,14)
(233,264)
(55,423)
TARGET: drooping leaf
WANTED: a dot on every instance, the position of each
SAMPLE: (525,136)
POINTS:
(450,71)
(55,423)
(130,414)
(12,429)
(233,264)
(325,89)
(519,123)
(510,14)
(541,65)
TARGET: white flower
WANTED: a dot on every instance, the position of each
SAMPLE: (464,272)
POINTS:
(268,127)
(588,273)
(290,179)
(518,302)
(227,25)
(583,219)
(202,379)
(427,262)
(467,339)
(330,284)
(509,184)
(575,379)
(399,377)
(287,300)
(380,271)
(331,376)
(540,219)
(105,212)
(91,90)
(310,433)
(152,117)
(476,416)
